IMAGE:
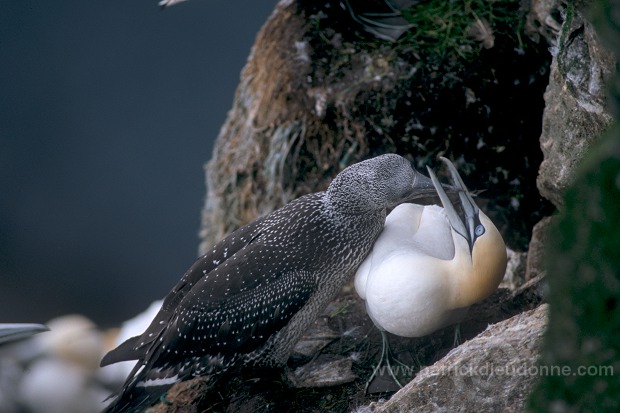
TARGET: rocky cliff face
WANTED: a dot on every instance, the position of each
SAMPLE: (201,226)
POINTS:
(318,94)
(577,110)
(582,261)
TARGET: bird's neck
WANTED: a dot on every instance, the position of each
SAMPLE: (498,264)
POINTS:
(352,206)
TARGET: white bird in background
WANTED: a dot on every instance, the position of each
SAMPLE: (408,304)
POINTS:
(427,266)
(59,369)
(12,340)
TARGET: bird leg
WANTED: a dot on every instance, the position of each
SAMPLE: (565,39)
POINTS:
(457,335)
(385,357)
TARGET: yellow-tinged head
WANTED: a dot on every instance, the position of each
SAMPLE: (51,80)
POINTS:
(488,265)
(480,259)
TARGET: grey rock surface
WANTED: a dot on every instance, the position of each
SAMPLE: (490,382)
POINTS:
(577,110)
(490,373)
(535,263)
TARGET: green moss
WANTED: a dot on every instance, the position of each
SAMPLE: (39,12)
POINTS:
(436,91)
(457,30)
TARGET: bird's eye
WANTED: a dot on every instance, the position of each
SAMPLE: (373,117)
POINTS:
(479,230)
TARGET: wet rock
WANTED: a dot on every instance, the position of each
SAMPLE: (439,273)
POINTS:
(490,373)
(535,264)
(515,269)
(577,110)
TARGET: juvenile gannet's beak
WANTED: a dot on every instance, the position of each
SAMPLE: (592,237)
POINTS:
(470,209)
(423,189)
(422,184)
(14,332)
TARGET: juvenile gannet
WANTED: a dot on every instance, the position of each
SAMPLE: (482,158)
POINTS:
(249,299)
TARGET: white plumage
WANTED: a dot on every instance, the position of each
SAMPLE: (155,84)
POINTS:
(427,267)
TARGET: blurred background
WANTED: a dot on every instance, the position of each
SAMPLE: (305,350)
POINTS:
(108,111)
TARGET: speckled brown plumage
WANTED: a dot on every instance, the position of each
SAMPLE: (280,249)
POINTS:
(249,298)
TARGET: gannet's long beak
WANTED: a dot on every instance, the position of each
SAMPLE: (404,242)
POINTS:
(421,187)
(14,332)
(470,209)
(422,184)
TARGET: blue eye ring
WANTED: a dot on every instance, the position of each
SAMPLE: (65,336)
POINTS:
(479,230)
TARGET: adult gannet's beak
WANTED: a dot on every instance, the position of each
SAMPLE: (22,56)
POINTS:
(470,209)
(14,332)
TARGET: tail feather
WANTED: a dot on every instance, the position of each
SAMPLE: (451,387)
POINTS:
(133,401)
(126,351)
(137,398)
(143,388)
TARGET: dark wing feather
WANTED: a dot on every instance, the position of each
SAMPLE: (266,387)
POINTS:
(241,323)
(135,347)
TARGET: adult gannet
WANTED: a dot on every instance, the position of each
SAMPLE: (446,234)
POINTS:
(427,266)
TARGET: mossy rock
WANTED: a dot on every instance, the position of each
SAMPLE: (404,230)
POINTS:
(318,93)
